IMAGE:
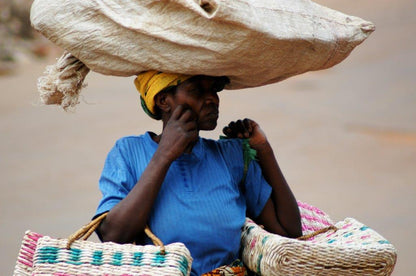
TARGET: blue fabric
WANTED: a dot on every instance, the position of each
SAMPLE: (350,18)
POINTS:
(200,202)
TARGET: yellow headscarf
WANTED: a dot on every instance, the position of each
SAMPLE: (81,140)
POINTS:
(150,83)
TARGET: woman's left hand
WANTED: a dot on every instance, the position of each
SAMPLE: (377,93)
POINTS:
(248,129)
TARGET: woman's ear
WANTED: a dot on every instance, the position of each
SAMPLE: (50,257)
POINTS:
(162,102)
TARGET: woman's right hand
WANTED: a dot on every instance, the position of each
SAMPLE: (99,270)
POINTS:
(180,133)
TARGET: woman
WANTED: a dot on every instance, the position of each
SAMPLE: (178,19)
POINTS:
(189,189)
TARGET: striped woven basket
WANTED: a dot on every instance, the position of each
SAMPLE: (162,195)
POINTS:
(344,248)
(43,255)
(24,263)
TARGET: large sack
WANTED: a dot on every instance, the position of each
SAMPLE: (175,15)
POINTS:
(252,42)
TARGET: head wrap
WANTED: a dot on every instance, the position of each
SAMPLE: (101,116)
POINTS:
(150,83)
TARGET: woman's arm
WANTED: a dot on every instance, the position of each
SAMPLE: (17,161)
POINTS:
(281,213)
(129,217)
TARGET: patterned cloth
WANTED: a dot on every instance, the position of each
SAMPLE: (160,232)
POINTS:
(150,83)
(237,268)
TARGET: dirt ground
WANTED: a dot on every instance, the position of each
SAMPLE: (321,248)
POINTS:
(345,138)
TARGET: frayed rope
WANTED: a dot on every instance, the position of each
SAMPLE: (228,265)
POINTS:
(62,82)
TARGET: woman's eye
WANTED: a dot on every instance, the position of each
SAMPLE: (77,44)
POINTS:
(194,91)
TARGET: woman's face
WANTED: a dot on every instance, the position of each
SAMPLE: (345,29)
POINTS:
(199,93)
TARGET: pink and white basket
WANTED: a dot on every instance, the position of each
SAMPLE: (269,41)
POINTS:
(347,247)
(24,263)
(43,255)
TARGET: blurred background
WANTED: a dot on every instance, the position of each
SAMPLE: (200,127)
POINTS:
(345,137)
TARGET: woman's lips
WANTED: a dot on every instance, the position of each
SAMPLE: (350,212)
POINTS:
(213,113)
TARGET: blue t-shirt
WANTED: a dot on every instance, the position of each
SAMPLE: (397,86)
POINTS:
(201,202)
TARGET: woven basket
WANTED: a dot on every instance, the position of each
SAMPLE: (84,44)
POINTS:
(43,255)
(349,248)
(24,263)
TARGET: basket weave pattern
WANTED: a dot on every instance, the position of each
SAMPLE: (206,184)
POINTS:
(43,255)
(312,218)
(354,249)
(89,258)
(24,263)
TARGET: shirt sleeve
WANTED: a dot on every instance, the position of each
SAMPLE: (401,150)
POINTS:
(116,179)
(257,190)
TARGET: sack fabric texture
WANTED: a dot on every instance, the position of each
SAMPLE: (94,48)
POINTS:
(253,42)
(352,249)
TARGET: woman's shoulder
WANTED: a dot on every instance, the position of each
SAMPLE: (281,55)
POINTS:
(134,138)
(130,138)
(228,147)
(223,142)
(135,142)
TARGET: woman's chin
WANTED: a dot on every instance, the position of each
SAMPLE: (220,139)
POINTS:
(208,125)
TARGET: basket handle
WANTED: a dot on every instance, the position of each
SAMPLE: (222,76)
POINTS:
(86,231)
(320,231)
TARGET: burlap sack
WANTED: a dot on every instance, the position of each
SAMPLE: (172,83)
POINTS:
(252,42)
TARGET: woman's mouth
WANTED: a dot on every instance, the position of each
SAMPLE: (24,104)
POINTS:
(213,113)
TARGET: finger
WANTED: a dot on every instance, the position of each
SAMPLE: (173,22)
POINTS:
(229,132)
(191,134)
(242,131)
(231,125)
(239,126)
(233,129)
(187,115)
(238,129)
(248,126)
(190,126)
(177,112)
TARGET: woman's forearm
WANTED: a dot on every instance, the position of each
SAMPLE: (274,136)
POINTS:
(129,217)
(285,205)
